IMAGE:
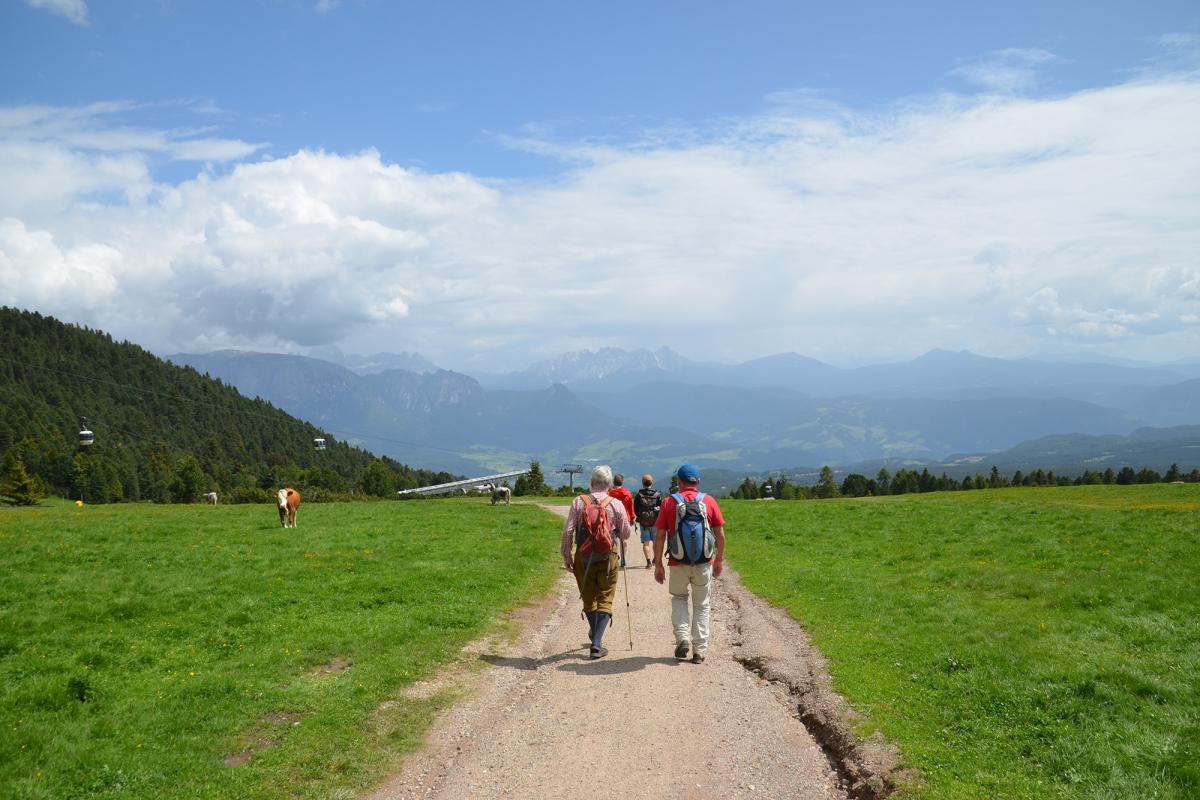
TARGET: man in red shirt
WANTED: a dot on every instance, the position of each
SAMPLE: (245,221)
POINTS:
(621,494)
(690,633)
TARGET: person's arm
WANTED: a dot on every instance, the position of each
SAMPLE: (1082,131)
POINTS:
(568,530)
(660,542)
(719,558)
(666,516)
(623,526)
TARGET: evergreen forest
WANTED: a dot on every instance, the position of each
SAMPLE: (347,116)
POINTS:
(162,433)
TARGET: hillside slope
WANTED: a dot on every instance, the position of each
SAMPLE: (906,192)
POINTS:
(149,417)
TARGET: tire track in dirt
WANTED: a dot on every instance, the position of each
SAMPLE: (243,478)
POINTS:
(544,721)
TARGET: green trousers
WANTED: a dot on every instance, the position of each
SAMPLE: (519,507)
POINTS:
(597,583)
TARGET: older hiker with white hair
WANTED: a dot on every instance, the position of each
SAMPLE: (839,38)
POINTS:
(593,524)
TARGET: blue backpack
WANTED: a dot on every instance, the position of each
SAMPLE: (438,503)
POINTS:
(692,541)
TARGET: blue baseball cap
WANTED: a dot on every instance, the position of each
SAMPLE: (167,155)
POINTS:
(688,474)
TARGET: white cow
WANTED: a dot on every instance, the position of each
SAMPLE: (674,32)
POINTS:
(210,498)
(501,493)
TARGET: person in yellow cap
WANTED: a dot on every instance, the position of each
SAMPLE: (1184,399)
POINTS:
(645,505)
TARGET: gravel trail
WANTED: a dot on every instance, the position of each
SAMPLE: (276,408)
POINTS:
(544,721)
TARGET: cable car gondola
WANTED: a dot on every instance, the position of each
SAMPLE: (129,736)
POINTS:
(318,443)
(86,437)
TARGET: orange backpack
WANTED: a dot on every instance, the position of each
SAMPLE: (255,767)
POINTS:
(595,523)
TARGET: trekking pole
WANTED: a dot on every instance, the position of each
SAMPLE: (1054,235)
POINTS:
(628,611)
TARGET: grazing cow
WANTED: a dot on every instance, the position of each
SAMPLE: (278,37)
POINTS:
(210,498)
(501,493)
(288,501)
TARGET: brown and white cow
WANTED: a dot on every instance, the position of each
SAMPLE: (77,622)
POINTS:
(288,501)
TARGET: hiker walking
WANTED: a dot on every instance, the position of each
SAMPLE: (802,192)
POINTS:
(646,504)
(691,530)
(594,522)
(621,494)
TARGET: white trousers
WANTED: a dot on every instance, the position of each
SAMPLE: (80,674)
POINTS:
(699,578)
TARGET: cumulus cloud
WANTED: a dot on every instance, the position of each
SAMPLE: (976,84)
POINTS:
(997,223)
(73,10)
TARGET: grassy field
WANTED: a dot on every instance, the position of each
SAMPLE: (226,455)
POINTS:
(1033,643)
(149,651)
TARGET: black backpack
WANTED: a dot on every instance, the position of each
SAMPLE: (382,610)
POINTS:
(645,505)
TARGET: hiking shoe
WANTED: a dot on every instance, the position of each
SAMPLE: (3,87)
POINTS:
(598,652)
(681,649)
(697,658)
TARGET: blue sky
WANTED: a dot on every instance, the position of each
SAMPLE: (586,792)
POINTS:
(435,83)
(809,164)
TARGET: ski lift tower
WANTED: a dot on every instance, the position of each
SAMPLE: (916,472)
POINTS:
(572,470)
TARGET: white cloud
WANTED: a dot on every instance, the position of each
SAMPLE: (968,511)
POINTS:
(98,127)
(74,10)
(1009,70)
(1002,224)
(45,276)
(1043,308)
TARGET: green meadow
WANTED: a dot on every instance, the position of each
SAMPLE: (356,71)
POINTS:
(191,651)
(1025,643)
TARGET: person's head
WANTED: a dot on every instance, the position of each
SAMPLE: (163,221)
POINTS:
(602,478)
(647,481)
(618,479)
(688,475)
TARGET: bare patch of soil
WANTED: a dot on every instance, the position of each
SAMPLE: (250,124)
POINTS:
(265,735)
(335,667)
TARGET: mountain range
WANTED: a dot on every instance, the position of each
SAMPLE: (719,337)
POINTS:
(649,410)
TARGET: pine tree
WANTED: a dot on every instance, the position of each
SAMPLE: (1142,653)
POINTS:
(377,480)
(533,482)
(21,488)
(188,481)
(826,485)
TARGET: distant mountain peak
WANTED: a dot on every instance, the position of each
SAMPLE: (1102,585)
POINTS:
(376,362)
(941,354)
(582,366)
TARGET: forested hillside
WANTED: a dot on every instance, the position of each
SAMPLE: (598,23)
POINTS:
(162,432)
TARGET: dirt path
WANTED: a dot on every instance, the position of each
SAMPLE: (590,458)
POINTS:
(543,720)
